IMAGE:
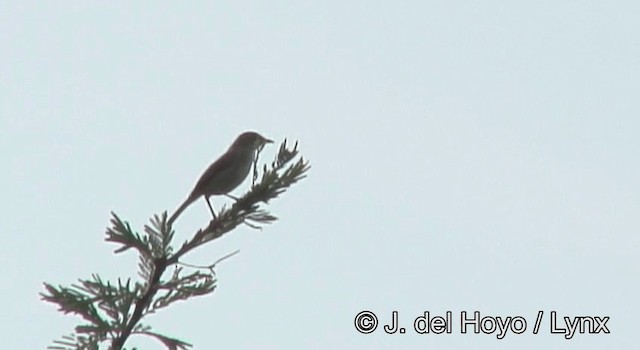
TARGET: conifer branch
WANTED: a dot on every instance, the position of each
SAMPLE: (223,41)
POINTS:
(112,312)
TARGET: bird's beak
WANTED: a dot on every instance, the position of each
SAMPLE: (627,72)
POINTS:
(265,141)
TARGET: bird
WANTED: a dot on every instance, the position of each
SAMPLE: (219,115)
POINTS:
(227,172)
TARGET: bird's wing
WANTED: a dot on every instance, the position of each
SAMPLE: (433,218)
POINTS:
(216,170)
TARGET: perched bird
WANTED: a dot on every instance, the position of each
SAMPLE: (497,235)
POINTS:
(226,173)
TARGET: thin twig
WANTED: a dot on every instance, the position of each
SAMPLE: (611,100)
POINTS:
(211,266)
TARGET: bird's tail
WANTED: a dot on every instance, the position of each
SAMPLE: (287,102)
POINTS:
(180,209)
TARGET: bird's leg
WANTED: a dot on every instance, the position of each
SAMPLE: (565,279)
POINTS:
(210,207)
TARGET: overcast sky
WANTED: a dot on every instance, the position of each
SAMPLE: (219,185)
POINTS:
(466,156)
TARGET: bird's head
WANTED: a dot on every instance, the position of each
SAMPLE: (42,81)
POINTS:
(250,140)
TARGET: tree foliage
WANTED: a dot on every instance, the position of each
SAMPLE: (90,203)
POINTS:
(112,311)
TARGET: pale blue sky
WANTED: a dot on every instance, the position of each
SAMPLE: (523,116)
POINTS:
(465,156)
